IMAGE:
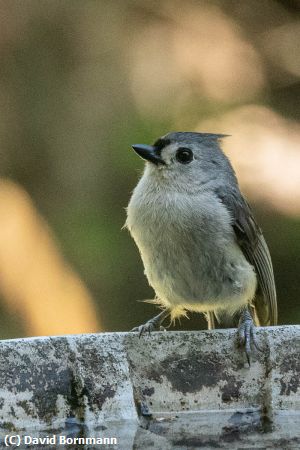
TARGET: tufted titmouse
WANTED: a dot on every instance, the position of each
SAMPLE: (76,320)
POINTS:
(200,244)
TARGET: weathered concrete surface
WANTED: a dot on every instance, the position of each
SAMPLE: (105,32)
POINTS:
(170,390)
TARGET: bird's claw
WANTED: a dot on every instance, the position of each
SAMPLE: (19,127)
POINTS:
(246,334)
(148,327)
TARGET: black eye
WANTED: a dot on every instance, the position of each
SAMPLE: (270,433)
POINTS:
(184,155)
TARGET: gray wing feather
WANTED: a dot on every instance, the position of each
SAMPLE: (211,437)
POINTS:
(250,239)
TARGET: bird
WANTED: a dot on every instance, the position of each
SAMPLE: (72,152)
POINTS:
(201,246)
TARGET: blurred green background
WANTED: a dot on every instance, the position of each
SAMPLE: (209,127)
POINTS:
(80,81)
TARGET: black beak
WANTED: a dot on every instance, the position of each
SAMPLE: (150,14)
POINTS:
(149,153)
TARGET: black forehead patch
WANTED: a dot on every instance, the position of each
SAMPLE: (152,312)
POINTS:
(160,144)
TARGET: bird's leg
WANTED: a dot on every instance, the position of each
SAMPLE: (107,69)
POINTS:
(211,323)
(153,324)
(246,333)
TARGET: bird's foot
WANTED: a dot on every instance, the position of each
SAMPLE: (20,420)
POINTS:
(246,334)
(148,327)
(153,324)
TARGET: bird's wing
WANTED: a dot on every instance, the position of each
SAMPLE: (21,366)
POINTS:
(251,241)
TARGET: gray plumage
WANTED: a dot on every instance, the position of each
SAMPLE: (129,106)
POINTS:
(200,244)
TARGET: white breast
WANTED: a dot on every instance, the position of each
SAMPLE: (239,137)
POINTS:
(188,248)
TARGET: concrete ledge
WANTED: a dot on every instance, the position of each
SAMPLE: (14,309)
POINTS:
(158,391)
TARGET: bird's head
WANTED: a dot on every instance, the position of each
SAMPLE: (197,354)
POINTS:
(185,158)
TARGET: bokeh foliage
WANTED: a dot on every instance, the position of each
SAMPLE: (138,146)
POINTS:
(81,81)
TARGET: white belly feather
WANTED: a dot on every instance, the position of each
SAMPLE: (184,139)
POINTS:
(169,230)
